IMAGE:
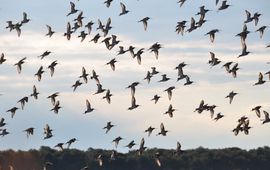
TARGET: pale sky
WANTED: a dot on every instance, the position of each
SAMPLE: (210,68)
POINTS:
(189,128)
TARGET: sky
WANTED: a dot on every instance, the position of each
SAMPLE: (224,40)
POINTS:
(212,84)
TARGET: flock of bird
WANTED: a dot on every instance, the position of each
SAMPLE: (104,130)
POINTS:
(111,41)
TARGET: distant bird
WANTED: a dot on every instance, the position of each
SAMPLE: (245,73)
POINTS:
(188,81)
(79,19)
(50,31)
(131,51)
(138,55)
(12,111)
(108,127)
(149,130)
(203,11)
(72,9)
(25,19)
(19,64)
(96,38)
(246,127)
(84,75)
(155,98)
(257,110)
(157,159)
(121,50)
(178,150)
(130,144)
(47,132)
(89,27)
(2,58)
(22,101)
(35,93)
(180,73)
(218,116)
(82,35)
(142,147)
(154,48)
(249,18)
(266,117)
(46,53)
(108,96)
(70,142)
(260,80)
(99,89)
(169,91)
(10,26)
(39,73)
(133,104)
(231,96)
(256,18)
(212,34)
(244,51)
(112,63)
(56,107)
(202,107)
(88,107)
(213,61)
(53,97)
(68,32)
(60,146)
(108,3)
(117,140)
(211,109)
(164,78)
(170,111)
(2,122)
(95,76)
(132,87)
(76,84)
(234,70)
(4,132)
(181,2)
(162,132)
(223,6)
(227,66)
(123,9)
(52,67)
(261,30)
(148,77)
(192,25)
(180,27)
(17,27)
(29,131)
(154,71)
(145,22)
(243,35)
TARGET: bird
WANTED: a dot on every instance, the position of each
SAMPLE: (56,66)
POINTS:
(2,58)
(121,50)
(25,19)
(249,18)
(10,26)
(130,144)
(181,2)
(162,132)
(47,132)
(99,89)
(148,77)
(214,61)
(44,54)
(88,107)
(29,131)
(211,109)
(244,51)
(142,147)
(201,107)
(145,22)
(132,87)
(218,116)
(234,70)
(260,80)
(60,146)
(23,101)
(180,27)
(79,19)
(39,73)
(70,142)
(108,127)
(56,107)
(50,31)
(261,30)
(84,75)
(246,127)
(108,3)
(164,78)
(2,122)
(76,84)
(154,48)
(12,111)
(19,64)
(17,27)
(227,66)
(170,110)
(266,117)
(257,110)
(154,71)
(223,6)
(157,159)
(112,63)
(212,34)
(256,18)
(243,35)
(117,140)
(96,38)
(123,9)
(113,155)
(178,150)
(133,104)
(72,9)
(89,27)
(52,67)
(193,25)
(108,96)
(82,35)
(35,93)
(188,81)
(138,55)
(231,96)
(155,98)
(180,73)
(53,97)
(95,76)
(4,132)
(149,130)
(68,32)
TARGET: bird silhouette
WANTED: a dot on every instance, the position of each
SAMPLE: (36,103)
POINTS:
(22,101)
(231,96)
(214,61)
(76,85)
(19,64)
(193,25)
(35,93)
(50,31)
(82,36)
(95,77)
(123,9)
(29,131)
(142,147)
(170,111)
(244,51)
(149,130)
(180,27)
(178,150)
(108,96)
(72,9)
(218,116)
(162,132)
(188,81)
(133,104)
(2,122)
(60,146)
(266,117)
(39,73)
(4,132)
(234,69)
(108,3)
(148,77)
(164,78)
(117,140)
(88,107)
(68,32)
(70,142)
(112,63)
(56,107)
(181,2)
(249,18)
(261,30)
(223,6)
(89,26)
(12,111)
(256,18)
(132,87)
(2,58)
(257,110)
(47,132)
(99,89)
(260,80)
(53,97)
(155,98)
(44,54)
(52,67)
(145,22)
(108,127)
(84,75)
(130,144)
(154,48)
(212,34)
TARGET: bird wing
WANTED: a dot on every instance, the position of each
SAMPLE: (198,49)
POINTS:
(88,105)
(266,114)
(123,7)
(162,127)
(248,14)
(144,25)
(72,6)
(260,79)
(212,37)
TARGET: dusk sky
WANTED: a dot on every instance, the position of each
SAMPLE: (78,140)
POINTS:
(212,84)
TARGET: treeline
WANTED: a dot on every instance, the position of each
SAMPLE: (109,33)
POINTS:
(194,159)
